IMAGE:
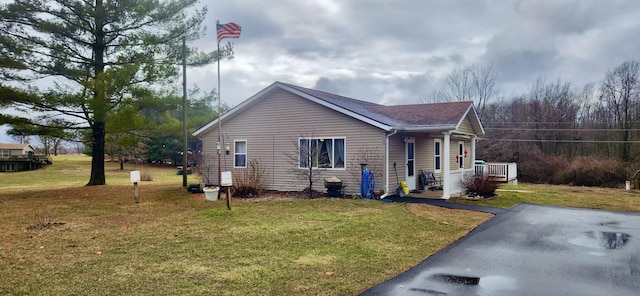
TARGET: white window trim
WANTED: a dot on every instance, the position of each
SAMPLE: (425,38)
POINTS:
(333,164)
(435,169)
(246,154)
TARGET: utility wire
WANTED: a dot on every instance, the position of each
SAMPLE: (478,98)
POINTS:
(559,141)
(562,129)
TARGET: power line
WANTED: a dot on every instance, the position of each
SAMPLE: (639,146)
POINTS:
(562,129)
(560,141)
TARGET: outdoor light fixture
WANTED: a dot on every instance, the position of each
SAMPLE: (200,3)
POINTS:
(227,149)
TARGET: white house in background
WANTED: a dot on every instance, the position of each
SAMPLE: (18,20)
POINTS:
(440,138)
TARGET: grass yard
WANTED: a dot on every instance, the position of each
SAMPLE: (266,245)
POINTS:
(62,238)
(612,199)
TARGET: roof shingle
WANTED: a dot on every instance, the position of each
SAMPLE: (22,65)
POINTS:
(399,116)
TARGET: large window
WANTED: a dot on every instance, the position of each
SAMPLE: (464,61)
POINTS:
(437,156)
(240,154)
(322,153)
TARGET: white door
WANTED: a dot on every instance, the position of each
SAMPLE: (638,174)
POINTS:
(410,168)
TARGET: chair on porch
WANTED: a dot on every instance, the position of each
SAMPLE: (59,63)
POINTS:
(428,179)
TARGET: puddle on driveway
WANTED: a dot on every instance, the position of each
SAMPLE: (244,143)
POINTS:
(601,240)
(456,279)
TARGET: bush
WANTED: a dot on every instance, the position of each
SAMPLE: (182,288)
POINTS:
(591,171)
(479,185)
(247,182)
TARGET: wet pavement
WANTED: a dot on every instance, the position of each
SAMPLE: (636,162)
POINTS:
(445,204)
(533,250)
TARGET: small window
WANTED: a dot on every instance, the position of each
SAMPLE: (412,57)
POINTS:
(437,156)
(460,157)
(240,154)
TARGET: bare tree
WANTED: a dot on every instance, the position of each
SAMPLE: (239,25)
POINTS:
(307,159)
(620,96)
(469,83)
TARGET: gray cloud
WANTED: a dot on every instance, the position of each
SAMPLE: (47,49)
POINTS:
(396,52)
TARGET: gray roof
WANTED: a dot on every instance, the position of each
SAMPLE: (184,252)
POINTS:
(438,116)
(442,115)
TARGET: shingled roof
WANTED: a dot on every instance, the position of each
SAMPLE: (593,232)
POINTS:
(415,116)
(425,117)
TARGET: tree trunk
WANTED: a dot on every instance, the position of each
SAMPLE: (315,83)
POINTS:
(100,109)
(97,155)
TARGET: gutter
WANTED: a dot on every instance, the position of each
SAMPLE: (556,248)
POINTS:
(386,163)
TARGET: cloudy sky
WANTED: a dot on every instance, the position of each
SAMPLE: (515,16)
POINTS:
(397,52)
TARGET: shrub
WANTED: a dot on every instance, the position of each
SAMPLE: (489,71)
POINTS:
(591,171)
(247,182)
(479,185)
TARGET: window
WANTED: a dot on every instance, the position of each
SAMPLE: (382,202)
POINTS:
(5,153)
(322,153)
(437,156)
(240,154)
(460,157)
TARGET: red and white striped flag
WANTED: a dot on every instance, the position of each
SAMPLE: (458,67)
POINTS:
(229,30)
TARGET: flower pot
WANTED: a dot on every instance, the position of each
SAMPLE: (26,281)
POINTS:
(211,193)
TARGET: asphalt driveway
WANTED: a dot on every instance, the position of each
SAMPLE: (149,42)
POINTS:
(533,250)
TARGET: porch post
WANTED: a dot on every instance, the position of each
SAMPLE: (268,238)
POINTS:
(446,174)
(473,152)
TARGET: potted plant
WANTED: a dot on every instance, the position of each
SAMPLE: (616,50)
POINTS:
(211,192)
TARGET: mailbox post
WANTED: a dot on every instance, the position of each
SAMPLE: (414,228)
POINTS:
(226,182)
(135,178)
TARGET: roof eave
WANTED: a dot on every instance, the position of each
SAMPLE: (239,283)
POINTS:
(430,128)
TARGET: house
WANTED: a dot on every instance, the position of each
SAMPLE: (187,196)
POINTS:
(19,157)
(276,125)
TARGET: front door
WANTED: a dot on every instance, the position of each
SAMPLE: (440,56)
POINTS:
(410,169)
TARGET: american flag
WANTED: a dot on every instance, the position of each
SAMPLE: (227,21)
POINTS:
(229,30)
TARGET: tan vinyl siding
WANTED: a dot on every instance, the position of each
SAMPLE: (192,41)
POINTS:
(272,127)
(396,154)
(454,151)
(466,127)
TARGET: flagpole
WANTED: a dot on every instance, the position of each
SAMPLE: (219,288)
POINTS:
(185,156)
(219,146)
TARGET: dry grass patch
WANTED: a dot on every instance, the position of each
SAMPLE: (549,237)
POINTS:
(176,243)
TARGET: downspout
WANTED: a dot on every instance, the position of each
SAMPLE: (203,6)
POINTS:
(386,164)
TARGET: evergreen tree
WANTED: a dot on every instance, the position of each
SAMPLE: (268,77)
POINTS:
(106,57)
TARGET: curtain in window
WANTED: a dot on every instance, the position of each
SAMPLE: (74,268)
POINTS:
(329,152)
(241,154)
(303,148)
(339,153)
(314,152)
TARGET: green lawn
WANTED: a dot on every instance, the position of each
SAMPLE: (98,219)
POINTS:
(60,238)
(613,199)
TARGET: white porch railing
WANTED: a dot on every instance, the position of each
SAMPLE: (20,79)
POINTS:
(501,171)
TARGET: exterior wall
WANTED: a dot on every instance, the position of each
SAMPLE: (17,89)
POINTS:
(396,154)
(466,127)
(272,127)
